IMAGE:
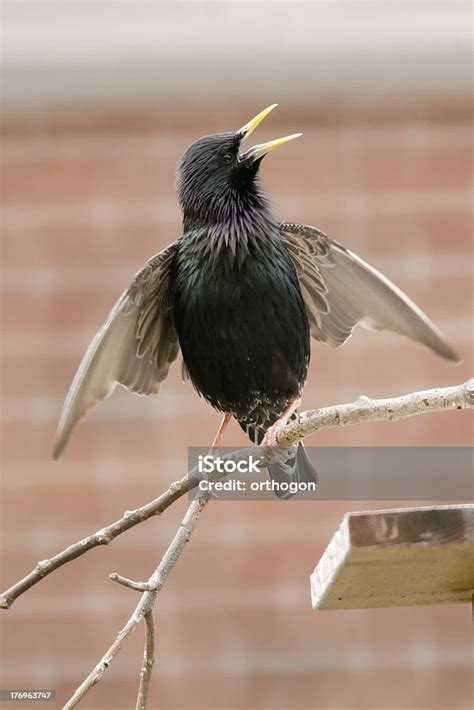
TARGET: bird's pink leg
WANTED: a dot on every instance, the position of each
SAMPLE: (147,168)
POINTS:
(220,432)
(270,438)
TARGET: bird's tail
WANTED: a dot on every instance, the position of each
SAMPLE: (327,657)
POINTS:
(288,474)
(295,470)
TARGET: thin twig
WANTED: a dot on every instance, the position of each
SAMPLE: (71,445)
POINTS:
(136,586)
(148,661)
(147,600)
(363,410)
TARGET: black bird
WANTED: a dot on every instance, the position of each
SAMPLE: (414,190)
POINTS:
(239,293)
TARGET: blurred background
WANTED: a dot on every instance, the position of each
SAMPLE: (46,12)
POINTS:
(99,101)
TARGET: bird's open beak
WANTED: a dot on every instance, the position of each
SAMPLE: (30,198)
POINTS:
(258,151)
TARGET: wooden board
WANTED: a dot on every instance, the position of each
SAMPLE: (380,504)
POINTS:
(398,558)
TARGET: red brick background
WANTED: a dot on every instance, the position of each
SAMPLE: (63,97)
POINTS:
(86,203)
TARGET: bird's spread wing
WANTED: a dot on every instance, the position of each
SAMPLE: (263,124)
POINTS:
(341,290)
(134,347)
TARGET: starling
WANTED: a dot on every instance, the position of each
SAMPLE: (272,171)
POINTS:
(240,293)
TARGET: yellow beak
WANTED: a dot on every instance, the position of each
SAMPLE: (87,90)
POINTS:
(249,127)
(258,151)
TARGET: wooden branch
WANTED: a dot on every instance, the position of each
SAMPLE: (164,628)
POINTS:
(363,410)
(148,661)
(102,537)
(144,608)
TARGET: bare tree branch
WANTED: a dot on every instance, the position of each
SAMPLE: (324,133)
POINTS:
(363,410)
(102,537)
(145,605)
(148,661)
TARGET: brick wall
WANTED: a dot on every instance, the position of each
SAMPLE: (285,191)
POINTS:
(85,206)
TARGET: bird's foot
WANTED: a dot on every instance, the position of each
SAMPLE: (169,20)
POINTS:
(270,438)
(271,435)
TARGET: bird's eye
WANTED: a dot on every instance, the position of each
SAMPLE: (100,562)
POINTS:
(227,158)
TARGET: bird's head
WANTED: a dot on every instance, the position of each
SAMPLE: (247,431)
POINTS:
(216,179)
